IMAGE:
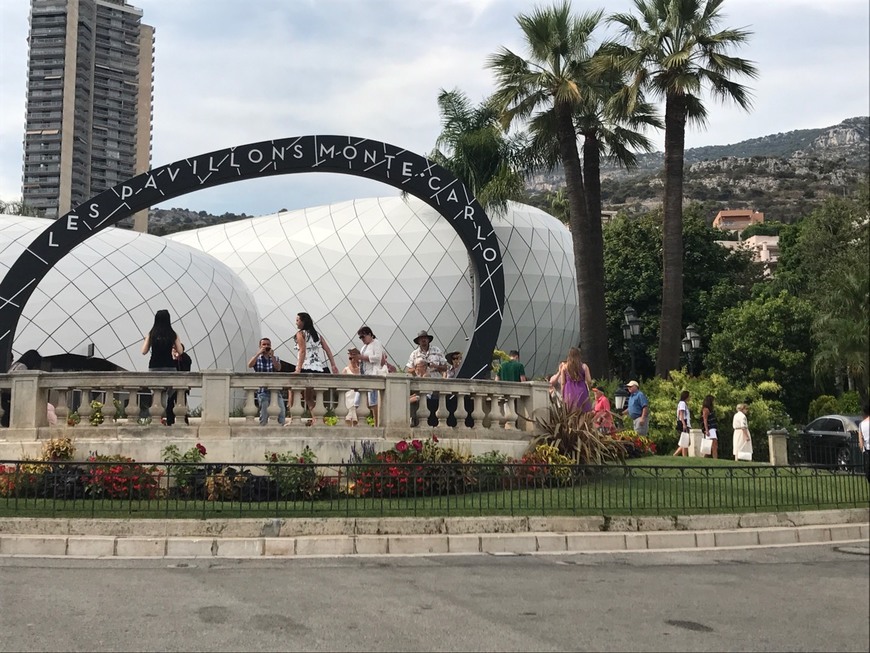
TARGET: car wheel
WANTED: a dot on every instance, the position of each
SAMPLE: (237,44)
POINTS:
(844,458)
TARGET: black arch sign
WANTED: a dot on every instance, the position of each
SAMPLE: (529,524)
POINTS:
(374,160)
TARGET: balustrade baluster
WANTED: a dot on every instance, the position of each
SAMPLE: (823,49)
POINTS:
(133,406)
(250,409)
(274,409)
(461,413)
(62,407)
(296,409)
(510,411)
(500,408)
(440,408)
(85,405)
(478,413)
(181,404)
(157,410)
(109,409)
(319,410)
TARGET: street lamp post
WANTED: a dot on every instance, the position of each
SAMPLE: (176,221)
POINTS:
(691,344)
(630,332)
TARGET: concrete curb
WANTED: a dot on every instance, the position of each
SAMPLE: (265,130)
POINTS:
(269,538)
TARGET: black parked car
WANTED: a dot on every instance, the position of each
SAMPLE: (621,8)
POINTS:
(832,441)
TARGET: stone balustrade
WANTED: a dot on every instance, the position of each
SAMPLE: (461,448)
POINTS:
(462,407)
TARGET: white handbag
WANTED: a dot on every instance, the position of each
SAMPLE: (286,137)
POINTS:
(744,455)
(707,446)
(685,439)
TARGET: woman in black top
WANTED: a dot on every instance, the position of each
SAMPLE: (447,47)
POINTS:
(708,424)
(160,341)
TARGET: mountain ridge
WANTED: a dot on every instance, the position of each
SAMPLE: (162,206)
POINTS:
(784,175)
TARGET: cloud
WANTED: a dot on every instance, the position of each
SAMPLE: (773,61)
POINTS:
(229,72)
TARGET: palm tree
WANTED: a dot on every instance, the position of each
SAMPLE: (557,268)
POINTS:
(609,129)
(673,50)
(552,81)
(473,146)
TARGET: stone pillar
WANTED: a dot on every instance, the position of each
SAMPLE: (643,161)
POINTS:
(395,413)
(777,443)
(215,421)
(534,406)
(695,438)
(29,406)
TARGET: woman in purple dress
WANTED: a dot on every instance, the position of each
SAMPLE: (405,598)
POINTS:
(573,378)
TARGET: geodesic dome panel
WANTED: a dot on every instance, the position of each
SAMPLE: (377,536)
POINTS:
(107,290)
(399,267)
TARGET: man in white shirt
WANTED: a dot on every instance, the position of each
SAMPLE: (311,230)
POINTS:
(864,439)
(436,363)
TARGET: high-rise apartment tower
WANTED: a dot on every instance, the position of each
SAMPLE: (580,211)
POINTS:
(89,102)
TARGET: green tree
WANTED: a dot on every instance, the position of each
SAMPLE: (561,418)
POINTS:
(839,230)
(473,146)
(715,279)
(772,228)
(674,50)
(559,205)
(840,329)
(19,208)
(768,339)
(554,79)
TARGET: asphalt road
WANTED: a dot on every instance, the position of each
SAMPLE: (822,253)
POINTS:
(800,598)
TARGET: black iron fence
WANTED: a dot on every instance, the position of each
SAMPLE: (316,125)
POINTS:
(841,454)
(113,488)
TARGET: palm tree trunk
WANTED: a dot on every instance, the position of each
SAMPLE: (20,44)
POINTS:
(592,175)
(671,323)
(595,256)
(588,260)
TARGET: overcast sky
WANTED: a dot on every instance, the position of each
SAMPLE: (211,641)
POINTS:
(229,72)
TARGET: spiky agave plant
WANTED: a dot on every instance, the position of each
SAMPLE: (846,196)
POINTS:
(575,436)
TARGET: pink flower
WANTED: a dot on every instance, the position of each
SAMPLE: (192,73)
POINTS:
(417,444)
(402,446)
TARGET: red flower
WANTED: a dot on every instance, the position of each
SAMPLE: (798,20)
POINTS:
(274,458)
(435,439)
(401,446)
(200,449)
(417,444)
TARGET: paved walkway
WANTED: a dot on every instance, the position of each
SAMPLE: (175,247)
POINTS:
(253,538)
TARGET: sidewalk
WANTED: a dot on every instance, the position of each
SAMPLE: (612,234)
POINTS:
(253,538)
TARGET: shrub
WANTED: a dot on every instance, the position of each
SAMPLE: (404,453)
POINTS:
(7,481)
(491,470)
(544,466)
(120,477)
(636,446)
(226,484)
(574,435)
(58,449)
(850,403)
(294,474)
(823,405)
(96,413)
(189,477)
(765,409)
(413,468)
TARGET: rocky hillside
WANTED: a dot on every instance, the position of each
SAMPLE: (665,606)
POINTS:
(783,175)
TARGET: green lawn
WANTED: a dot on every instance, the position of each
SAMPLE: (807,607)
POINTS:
(674,486)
